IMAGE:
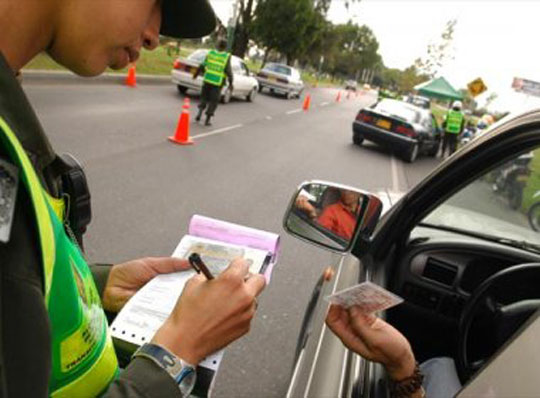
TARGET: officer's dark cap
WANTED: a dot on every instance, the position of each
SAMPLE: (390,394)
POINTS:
(188,19)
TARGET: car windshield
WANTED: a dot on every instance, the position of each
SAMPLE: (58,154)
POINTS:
(398,109)
(198,55)
(281,69)
(497,205)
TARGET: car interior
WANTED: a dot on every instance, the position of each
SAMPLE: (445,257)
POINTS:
(465,293)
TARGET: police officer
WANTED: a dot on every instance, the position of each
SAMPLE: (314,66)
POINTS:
(453,125)
(216,68)
(54,338)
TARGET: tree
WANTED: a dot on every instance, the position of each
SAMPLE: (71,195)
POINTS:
(242,30)
(288,26)
(438,53)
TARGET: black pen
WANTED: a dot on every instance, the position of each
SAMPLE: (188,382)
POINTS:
(198,265)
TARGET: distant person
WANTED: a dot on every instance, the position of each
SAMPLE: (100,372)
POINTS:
(453,125)
(341,217)
(216,68)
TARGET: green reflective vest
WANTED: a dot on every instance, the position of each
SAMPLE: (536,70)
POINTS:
(215,64)
(83,358)
(454,120)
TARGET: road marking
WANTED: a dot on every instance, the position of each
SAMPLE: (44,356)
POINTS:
(268,117)
(218,131)
(293,111)
(395,178)
(324,103)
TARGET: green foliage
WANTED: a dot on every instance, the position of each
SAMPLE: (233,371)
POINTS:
(402,81)
(287,26)
(533,182)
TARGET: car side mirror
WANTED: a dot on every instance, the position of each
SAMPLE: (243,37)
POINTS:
(332,216)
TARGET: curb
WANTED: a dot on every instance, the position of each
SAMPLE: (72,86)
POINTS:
(37,75)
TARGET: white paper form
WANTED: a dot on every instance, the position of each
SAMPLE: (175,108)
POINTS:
(145,312)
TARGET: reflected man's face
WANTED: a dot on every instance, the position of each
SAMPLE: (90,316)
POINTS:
(349,198)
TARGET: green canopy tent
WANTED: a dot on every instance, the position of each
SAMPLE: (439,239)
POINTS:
(440,89)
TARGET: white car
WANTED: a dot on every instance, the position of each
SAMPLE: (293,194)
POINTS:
(281,78)
(244,84)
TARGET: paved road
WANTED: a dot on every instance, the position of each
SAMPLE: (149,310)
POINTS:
(145,189)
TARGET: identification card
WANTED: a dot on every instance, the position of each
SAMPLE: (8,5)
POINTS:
(368,296)
(9,180)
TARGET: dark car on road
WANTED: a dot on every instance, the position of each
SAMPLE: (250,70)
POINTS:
(465,262)
(400,126)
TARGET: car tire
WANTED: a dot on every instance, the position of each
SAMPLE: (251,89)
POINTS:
(252,94)
(260,89)
(357,139)
(289,95)
(226,97)
(434,151)
(182,89)
(411,154)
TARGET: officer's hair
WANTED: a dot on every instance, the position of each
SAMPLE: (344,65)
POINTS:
(222,45)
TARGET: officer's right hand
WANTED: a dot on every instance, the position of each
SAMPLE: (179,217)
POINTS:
(209,315)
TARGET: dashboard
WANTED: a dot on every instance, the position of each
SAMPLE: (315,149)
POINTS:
(440,273)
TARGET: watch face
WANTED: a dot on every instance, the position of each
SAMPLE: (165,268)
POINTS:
(187,381)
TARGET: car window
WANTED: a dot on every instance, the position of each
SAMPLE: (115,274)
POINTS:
(398,109)
(503,203)
(236,66)
(278,68)
(245,69)
(198,56)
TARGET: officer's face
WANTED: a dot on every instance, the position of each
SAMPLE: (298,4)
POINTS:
(92,35)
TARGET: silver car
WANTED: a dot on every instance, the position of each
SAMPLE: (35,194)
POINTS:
(245,85)
(281,79)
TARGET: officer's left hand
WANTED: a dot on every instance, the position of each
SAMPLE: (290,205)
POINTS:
(126,278)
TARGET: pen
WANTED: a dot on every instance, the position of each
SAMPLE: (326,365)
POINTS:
(198,265)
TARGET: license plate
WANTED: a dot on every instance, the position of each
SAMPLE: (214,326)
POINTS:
(272,78)
(193,69)
(385,124)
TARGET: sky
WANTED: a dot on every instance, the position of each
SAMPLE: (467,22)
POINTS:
(495,40)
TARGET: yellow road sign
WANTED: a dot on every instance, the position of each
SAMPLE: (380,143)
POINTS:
(476,87)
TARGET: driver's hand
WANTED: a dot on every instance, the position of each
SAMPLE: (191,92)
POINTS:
(211,314)
(373,339)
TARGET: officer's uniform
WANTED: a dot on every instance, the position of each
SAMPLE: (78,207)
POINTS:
(54,336)
(216,68)
(453,126)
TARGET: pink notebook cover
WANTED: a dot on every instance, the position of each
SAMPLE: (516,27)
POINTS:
(210,228)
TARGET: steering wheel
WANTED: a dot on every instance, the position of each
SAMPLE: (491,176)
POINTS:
(502,313)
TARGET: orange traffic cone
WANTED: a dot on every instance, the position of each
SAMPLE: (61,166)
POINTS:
(131,80)
(307,103)
(181,137)
(338,98)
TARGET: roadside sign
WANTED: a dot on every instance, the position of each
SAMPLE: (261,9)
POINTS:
(526,86)
(476,87)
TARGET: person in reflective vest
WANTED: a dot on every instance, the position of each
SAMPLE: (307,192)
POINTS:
(453,125)
(217,70)
(54,334)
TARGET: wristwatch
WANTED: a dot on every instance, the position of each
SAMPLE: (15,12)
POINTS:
(182,372)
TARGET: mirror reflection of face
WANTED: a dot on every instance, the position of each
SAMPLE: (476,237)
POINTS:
(349,198)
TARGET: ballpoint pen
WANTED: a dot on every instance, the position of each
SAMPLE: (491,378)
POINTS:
(198,265)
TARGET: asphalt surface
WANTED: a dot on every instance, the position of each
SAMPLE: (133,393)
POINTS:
(243,169)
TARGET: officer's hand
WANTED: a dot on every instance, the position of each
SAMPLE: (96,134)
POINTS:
(125,279)
(373,339)
(211,314)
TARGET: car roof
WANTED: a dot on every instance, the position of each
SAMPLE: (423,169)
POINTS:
(408,105)
(207,50)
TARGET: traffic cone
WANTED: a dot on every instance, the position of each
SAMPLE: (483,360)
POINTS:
(181,137)
(307,103)
(131,80)
(338,97)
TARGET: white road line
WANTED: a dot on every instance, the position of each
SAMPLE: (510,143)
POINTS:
(293,111)
(324,103)
(268,117)
(395,178)
(218,131)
